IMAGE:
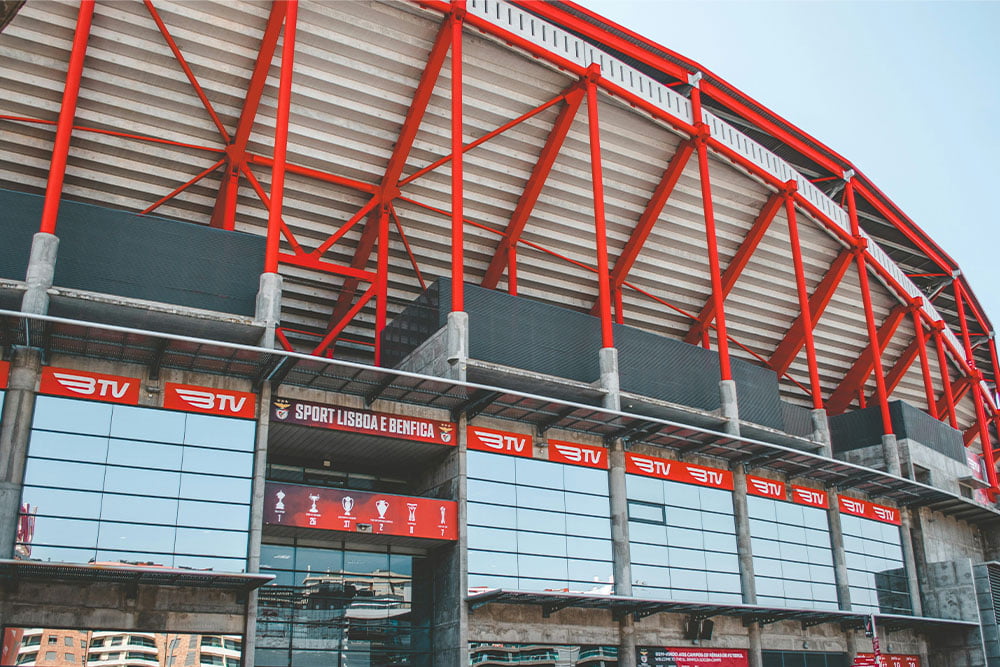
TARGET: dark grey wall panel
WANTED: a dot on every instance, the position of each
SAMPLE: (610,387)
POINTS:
(863,428)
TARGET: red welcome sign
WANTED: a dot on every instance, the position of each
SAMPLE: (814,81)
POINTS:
(359,511)
(690,656)
(675,471)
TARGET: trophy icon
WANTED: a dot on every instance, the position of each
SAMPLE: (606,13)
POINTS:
(412,507)
(280,505)
(382,506)
(314,497)
(442,508)
(347,503)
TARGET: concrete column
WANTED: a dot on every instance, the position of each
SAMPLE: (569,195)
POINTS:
(449,570)
(856,643)
(821,431)
(839,555)
(457,344)
(257,516)
(910,561)
(268,306)
(41,270)
(890,451)
(15,432)
(608,359)
(744,552)
(729,407)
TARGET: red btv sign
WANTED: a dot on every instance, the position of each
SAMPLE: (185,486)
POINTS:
(580,455)
(191,398)
(4,374)
(869,510)
(359,511)
(688,656)
(813,497)
(498,442)
(93,386)
(887,660)
(307,413)
(769,488)
(675,471)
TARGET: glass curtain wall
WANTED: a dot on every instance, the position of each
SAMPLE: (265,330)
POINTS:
(875,571)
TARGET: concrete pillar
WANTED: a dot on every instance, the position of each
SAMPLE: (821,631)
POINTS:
(744,552)
(15,432)
(268,307)
(839,555)
(448,567)
(457,344)
(41,271)
(821,431)
(910,562)
(857,643)
(608,359)
(729,407)
(257,516)
(890,451)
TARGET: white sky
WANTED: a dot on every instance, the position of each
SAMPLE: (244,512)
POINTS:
(909,92)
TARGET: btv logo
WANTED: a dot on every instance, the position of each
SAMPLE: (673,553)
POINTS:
(206,400)
(809,496)
(500,441)
(652,466)
(91,386)
(95,386)
(564,452)
(886,514)
(767,487)
(709,477)
(190,398)
(854,506)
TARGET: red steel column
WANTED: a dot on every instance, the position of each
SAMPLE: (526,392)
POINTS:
(925,368)
(382,294)
(67,112)
(281,139)
(800,286)
(949,396)
(715,273)
(866,297)
(600,227)
(457,250)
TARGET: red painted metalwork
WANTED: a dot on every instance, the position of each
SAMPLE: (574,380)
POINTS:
(406,246)
(334,331)
(505,253)
(323,176)
(800,288)
(794,338)
(181,188)
(947,401)
(382,291)
(866,298)
(600,227)
(67,111)
(855,379)
(740,261)
(925,367)
(115,133)
(722,340)
(902,365)
(457,162)
(281,139)
(259,190)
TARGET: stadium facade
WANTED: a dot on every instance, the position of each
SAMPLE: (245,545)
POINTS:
(465,333)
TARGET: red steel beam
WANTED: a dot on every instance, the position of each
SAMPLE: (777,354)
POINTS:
(739,262)
(506,249)
(67,111)
(925,367)
(858,374)
(382,280)
(902,365)
(274,219)
(600,227)
(954,394)
(947,401)
(794,338)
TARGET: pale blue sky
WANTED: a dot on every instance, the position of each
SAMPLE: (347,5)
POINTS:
(909,92)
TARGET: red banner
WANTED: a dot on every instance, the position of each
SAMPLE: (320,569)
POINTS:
(498,442)
(888,660)
(338,418)
(676,471)
(869,510)
(803,495)
(192,398)
(359,511)
(688,656)
(93,386)
(4,374)
(578,455)
(769,488)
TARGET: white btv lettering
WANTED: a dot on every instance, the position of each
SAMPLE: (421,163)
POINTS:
(206,400)
(811,497)
(766,487)
(854,506)
(580,455)
(652,466)
(498,441)
(712,477)
(87,386)
(885,513)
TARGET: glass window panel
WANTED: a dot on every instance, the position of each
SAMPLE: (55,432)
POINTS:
(492,581)
(588,570)
(820,555)
(585,480)
(542,567)
(64,475)
(327,561)
(787,533)
(206,487)
(769,586)
(795,570)
(277,557)
(135,557)
(684,518)
(491,562)
(65,532)
(147,424)
(365,562)
(140,509)
(850,524)
(853,544)
(540,521)
(492,539)
(725,582)
(541,543)
(68,446)
(691,559)
(224,543)
(542,585)
(647,533)
(689,580)
(763,529)
(218,461)
(495,467)
(767,548)
(684,537)
(801,590)
(221,432)
(649,554)
(794,552)
(213,515)
(63,503)
(894,552)
(871,530)
(824,592)
(144,454)
(814,517)
(135,480)
(652,593)
(46,553)
(720,523)
(588,526)
(649,575)
(580,503)
(681,495)
(760,508)
(788,513)
(401,564)
(638,511)
(714,500)
(491,492)
(720,542)
(133,537)
(535,498)
(822,574)
(588,548)
(717,563)
(537,473)
(766,567)
(645,489)
(63,414)
(491,515)
(860,579)
(818,538)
